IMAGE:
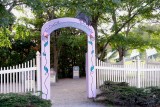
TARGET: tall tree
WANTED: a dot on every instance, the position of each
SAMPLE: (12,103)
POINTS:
(125,15)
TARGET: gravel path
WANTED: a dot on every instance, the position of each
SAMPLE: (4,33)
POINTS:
(71,93)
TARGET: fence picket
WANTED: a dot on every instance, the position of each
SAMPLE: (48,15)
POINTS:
(14,86)
(28,77)
(10,80)
(7,81)
(1,81)
(17,79)
(22,78)
(19,85)
(4,82)
(34,86)
(31,74)
(25,79)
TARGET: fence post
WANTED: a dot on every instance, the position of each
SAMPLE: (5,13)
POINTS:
(138,72)
(38,71)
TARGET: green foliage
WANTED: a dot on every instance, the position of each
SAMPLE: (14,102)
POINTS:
(6,18)
(4,37)
(18,100)
(20,52)
(150,33)
(130,42)
(72,45)
(125,95)
(22,32)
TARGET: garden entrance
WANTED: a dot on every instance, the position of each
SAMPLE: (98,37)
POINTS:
(47,29)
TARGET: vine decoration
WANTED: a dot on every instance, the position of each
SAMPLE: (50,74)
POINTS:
(92,63)
(45,34)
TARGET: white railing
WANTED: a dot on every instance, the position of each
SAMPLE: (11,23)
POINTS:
(136,74)
(21,78)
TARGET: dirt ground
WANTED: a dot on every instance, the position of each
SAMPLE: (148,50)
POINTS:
(71,93)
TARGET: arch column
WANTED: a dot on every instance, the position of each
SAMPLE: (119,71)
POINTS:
(47,29)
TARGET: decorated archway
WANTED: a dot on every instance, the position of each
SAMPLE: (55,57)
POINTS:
(46,30)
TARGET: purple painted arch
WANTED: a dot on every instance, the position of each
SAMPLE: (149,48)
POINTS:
(46,30)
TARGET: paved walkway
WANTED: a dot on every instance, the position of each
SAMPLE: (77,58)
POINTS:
(71,93)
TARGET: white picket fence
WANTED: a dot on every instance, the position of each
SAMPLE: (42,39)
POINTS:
(21,78)
(136,74)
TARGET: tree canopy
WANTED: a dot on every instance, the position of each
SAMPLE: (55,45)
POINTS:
(120,25)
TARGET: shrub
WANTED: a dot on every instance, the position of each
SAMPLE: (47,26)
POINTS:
(19,100)
(125,95)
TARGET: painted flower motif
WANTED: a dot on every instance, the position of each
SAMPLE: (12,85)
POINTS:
(92,37)
(45,34)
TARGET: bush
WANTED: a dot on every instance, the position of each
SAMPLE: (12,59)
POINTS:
(18,100)
(122,94)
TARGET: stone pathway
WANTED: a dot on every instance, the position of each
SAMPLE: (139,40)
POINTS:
(71,93)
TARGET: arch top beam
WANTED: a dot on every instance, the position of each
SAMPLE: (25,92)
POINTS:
(55,24)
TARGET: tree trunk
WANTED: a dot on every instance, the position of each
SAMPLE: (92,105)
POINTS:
(121,52)
(52,16)
(95,25)
(55,52)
